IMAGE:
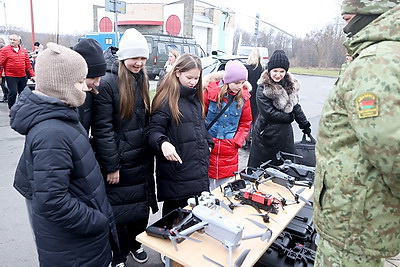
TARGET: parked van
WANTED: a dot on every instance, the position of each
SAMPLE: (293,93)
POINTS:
(246,50)
(159,47)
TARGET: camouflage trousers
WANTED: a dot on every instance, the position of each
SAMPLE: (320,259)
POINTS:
(329,255)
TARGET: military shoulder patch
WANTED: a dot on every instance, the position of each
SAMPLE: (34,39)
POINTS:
(367,105)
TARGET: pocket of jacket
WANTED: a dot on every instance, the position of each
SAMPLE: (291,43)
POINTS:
(319,189)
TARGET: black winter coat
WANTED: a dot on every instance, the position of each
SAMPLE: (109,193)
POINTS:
(121,144)
(85,112)
(58,172)
(278,107)
(191,140)
(253,77)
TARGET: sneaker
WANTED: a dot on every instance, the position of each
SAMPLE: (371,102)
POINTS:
(120,265)
(139,255)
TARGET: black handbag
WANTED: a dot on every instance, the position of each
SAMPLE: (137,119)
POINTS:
(306,149)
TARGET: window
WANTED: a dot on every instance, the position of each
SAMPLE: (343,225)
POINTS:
(109,41)
(174,47)
(161,48)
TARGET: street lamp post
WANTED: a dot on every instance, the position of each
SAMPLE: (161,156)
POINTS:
(5,17)
(32,26)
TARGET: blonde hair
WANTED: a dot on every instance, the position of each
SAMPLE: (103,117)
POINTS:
(254,58)
(223,91)
(127,89)
(175,53)
(169,89)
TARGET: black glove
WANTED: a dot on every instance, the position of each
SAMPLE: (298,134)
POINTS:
(306,131)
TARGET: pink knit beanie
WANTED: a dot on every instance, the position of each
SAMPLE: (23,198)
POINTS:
(234,71)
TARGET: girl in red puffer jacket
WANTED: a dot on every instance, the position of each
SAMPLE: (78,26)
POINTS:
(231,128)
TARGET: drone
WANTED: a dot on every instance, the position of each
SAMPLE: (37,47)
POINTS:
(208,221)
(299,171)
(261,175)
(260,201)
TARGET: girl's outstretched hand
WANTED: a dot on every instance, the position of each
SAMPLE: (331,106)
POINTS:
(169,152)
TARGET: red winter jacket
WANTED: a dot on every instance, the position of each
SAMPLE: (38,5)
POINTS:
(224,158)
(15,64)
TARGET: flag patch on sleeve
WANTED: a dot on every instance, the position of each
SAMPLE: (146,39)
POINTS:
(367,105)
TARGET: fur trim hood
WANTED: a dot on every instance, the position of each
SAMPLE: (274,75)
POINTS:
(217,76)
(283,98)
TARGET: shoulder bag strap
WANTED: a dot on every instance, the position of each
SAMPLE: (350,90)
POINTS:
(220,114)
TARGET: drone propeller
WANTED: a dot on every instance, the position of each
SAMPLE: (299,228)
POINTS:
(297,196)
(265,217)
(262,226)
(239,261)
(233,205)
(304,183)
(212,261)
(222,204)
(176,236)
(280,154)
(267,235)
(263,236)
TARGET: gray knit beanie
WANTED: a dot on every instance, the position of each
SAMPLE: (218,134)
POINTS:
(57,70)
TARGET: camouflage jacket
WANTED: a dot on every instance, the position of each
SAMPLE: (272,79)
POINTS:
(357,185)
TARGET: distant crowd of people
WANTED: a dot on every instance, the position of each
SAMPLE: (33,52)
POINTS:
(100,154)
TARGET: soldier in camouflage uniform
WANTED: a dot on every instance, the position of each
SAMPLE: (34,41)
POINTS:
(357,185)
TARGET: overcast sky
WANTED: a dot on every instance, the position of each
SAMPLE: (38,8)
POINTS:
(296,17)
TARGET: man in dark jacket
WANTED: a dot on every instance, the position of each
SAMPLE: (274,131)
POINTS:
(57,172)
(14,60)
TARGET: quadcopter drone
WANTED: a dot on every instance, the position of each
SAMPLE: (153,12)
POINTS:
(299,171)
(210,222)
(259,201)
(261,175)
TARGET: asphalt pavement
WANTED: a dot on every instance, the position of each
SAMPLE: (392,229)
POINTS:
(17,247)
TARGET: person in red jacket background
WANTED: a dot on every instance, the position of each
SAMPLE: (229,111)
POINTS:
(229,130)
(14,60)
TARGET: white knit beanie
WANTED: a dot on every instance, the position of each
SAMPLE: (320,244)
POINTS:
(133,44)
(57,70)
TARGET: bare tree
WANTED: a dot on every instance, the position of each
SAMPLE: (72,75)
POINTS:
(318,49)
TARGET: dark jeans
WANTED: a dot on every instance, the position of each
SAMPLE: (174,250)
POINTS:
(4,88)
(15,86)
(127,233)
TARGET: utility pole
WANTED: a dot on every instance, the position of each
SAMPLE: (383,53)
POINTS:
(32,26)
(256,31)
(5,18)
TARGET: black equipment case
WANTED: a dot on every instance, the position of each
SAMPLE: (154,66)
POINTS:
(295,246)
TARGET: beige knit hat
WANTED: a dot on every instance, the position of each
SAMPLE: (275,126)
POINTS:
(57,70)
